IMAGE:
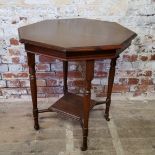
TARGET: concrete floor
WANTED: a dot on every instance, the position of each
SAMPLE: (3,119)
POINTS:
(131,131)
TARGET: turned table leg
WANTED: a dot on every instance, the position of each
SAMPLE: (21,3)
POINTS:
(32,76)
(110,85)
(87,98)
(65,73)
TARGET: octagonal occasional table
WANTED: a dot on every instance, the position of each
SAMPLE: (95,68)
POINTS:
(75,39)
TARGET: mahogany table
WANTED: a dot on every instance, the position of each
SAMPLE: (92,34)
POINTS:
(75,39)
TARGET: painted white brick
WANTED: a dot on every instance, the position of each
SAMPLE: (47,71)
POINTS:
(6,59)
(57,67)
(8,2)
(73,67)
(104,81)
(96,81)
(139,2)
(3,68)
(40,2)
(15,67)
(2,83)
(1,34)
(3,47)
(153,65)
(146,10)
(17,91)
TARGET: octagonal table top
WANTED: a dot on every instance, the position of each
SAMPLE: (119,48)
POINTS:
(77,34)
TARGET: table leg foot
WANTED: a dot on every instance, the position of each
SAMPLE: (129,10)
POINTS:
(36,127)
(106,116)
(35,115)
(85,135)
(84,147)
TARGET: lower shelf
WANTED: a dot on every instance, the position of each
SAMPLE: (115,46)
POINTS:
(71,105)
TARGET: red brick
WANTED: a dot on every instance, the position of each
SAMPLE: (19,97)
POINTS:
(130,58)
(98,74)
(50,90)
(76,83)
(41,83)
(24,83)
(43,67)
(14,52)
(74,74)
(120,88)
(143,58)
(59,74)
(45,75)
(45,59)
(147,81)
(152,57)
(71,74)
(14,41)
(141,89)
(10,75)
(52,82)
(18,83)
(133,81)
(22,75)
(16,60)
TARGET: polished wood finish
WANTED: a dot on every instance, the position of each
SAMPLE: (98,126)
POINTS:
(71,105)
(65,73)
(75,39)
(32,76)
(110,85)
(77,55)
(89,74)
(45,110)
(83,34)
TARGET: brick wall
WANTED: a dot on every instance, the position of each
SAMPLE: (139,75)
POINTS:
(135,74)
